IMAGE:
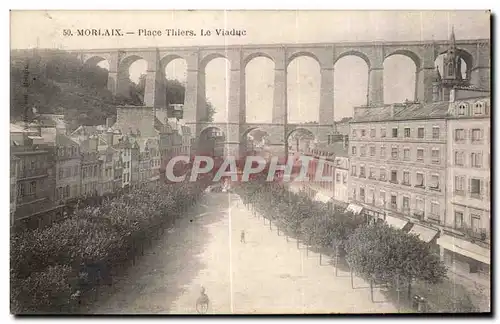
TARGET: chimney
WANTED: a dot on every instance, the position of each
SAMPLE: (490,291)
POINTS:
(93,141)
(109,137)
(109,122)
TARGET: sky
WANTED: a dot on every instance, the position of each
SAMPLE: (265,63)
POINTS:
(45,29)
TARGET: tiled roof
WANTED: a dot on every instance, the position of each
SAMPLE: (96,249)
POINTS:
(404,112)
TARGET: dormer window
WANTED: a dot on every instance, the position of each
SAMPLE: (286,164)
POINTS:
(462,108)
(479,108)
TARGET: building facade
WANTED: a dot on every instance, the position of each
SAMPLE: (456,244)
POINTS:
(465,245)
(68,167)
(398,164)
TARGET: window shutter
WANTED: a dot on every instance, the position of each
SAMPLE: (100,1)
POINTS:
(470,186)
(482,134)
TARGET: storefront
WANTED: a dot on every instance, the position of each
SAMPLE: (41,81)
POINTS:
(464,256)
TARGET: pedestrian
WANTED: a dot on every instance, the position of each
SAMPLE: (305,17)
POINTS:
(242,236)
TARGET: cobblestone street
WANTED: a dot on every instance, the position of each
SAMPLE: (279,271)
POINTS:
(266,274)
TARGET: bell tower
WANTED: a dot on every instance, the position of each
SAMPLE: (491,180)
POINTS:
(452,68)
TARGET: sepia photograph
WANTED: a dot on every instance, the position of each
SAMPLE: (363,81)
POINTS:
(250,162)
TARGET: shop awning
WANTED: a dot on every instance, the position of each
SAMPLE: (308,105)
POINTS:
(322,198)
(396,222)
(353,208)
(465,248)
(426,234)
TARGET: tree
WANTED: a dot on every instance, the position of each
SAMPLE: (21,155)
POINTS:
(386,254)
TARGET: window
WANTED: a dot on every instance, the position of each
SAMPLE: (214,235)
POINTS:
(407,132)
(372,132)
(76,170)
(353,150)
(420,155)
(420,132)
(459,158)
(362,150)
(420,180)
(354,193)
(66,191)
(406,178)
(394,203)
(382,152)
(362,172)
(420,205)
(61,173)
(363,133)
(475,188)
(337,177)
(382,174)
(344,178)
(353,133)
(383,132)
(434,182)
(434,210)
(459,134)
(32,187)
(478,108)
(435,156)
(353,170)
(382,198)
(475,222)
(394,153)
(394,132)
(476,160)
(362,194)
(372,173)
(435,132)
(406,154)
(371,197)
(477,135)
(459,219)
(459,185)
(462,108)
(406,204)
(394,176)
(372,150)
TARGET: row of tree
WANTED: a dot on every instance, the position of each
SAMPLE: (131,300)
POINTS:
(373,250)
(51,267)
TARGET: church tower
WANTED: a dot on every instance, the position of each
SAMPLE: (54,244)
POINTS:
(452,69)
(437,90)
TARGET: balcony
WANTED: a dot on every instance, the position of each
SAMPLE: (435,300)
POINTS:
(394,206)
(434,219)
(32,173)
(419,215)
(459,192)
(476,195)
(372,177)
(406,210)
(406,184)
(394,181)
(476,234)
(435,188)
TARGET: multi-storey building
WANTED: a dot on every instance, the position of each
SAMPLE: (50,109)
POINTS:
(465,243)
(341,168)
(145,164)
(14,165)
(35,204)
(91,173)
(398,164)
(107,157)
(68,166)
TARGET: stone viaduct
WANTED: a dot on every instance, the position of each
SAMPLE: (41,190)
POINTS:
(476,54)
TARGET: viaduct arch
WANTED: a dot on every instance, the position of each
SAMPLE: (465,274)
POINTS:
(476,54)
